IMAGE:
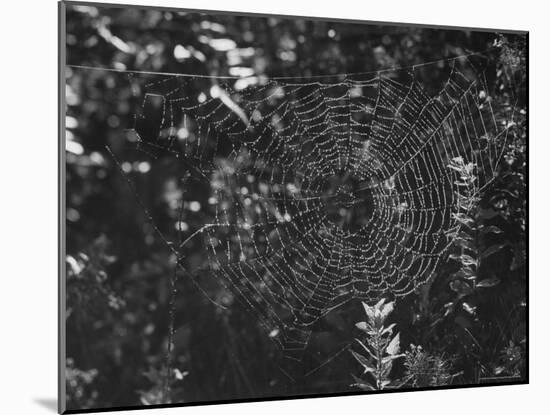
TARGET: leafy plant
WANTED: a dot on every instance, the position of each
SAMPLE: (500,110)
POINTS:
(469,238)
(81,388)
(512,360)
(423,369)
(163,390)
(380,348)
(463,281)
(88,288)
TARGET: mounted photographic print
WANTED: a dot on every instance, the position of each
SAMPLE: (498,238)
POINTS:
(260,207)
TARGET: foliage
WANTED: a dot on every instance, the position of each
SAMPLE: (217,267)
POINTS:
(80,385)
(424,369)
(166,386)
(470,319)
(512,360)
(476,306)
(421,369)
(380,345)
(88,293)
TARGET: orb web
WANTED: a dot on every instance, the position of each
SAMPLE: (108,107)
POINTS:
(320,191)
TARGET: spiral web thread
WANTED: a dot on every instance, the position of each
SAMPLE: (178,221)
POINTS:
(321,191)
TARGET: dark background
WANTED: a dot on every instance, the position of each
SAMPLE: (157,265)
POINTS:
(119,269)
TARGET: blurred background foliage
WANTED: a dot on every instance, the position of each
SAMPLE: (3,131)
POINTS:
(119,270)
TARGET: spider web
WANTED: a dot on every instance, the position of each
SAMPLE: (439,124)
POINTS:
(320,190)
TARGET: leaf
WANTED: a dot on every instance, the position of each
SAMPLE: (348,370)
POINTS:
(492,250)
(378,323)
(491,229)
(455,168)
(467,243)
(385,383)
(362,325)
(388,329)
(470,168)
(380,303)
(489,282)
(392,357)
(468,260)
(369,311)
(363,361)
(361,384)
(463,219)
(393,347)
(456,164)
(469,309)
(366,348)
(386,310)
(449,307)
(464,273)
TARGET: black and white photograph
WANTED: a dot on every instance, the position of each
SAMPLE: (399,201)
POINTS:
(265,207)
